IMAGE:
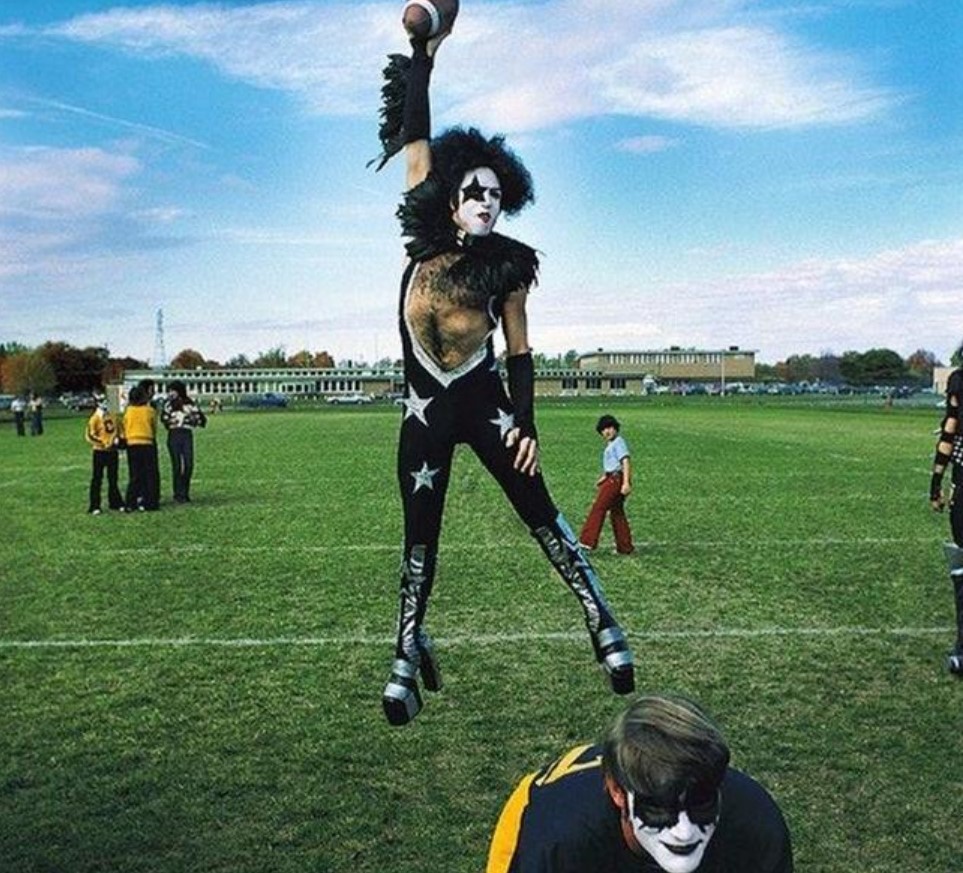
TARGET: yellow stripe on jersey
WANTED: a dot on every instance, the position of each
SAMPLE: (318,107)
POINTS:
(566,764)
(505,838)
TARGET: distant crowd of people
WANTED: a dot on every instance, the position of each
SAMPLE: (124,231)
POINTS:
(134,431)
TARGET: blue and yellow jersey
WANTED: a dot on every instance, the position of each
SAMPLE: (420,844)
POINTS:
(562,820)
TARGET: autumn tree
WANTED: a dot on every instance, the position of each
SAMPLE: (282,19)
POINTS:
(116,367)
(28,372)
(75,370)
(187,359)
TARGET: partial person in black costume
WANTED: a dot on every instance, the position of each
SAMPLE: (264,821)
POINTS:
(460,280)
(949,451)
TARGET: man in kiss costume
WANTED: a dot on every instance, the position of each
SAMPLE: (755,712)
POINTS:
(657,794)
(949,450)
(460,280)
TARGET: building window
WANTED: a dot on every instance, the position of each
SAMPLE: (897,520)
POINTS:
(569,383)
(617,384)
(593,384)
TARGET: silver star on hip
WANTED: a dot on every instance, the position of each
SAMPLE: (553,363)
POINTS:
(505,422)
(415,406)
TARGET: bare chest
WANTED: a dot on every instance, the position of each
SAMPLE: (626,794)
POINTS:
(447,320)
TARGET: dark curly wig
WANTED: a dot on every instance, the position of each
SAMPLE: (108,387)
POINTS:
(457,150)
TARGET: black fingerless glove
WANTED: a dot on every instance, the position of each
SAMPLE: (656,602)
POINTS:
(417,117)
(936,486)
(521,387)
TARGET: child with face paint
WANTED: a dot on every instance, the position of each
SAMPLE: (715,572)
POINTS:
(656,794)
(462,280)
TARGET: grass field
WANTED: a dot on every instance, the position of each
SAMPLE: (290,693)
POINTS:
(198,689)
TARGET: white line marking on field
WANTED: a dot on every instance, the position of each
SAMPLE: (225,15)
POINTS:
(474,639)
(201,548)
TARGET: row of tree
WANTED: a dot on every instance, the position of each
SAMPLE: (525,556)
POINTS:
(872,367)
(58,367)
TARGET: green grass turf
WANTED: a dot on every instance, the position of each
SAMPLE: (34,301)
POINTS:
(198,689)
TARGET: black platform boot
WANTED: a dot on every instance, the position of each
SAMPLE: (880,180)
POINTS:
(611,649)
(414,653)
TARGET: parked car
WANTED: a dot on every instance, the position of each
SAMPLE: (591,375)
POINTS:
(78,401)
(268,398)
(350,399)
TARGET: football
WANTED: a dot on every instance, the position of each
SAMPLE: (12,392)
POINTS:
(424,19)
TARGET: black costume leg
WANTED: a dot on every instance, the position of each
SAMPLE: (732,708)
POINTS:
(96,480)
(114,497)
(530,499)
(954,559)
(424,467)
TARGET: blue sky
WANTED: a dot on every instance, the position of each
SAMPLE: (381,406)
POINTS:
(781,175)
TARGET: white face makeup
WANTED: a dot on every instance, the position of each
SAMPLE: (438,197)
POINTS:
(677,848)
(479,202)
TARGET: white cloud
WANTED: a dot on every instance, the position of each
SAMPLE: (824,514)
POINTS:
(71,183)
(692,62)
(52,205)
(739,76)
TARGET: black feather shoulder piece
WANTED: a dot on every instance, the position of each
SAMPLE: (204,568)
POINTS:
(493,265)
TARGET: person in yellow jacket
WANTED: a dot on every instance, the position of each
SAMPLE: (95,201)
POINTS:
(103,434)
(140,432)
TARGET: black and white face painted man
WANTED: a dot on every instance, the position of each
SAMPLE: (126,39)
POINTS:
(479,202)
(676,838)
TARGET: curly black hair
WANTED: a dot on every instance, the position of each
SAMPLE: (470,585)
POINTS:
(458,150)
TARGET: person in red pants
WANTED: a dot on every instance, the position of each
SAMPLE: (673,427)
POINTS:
(614,485)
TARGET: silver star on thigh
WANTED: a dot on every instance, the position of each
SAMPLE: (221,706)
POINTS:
(424,478)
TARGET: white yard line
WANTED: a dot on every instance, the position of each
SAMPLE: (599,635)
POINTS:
(641,545)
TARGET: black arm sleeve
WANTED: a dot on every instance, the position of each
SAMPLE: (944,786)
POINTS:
(417,117)
(521,387)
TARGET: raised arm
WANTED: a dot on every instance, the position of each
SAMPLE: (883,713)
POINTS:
(417,117)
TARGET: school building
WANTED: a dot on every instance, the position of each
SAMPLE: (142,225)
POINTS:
(600,372)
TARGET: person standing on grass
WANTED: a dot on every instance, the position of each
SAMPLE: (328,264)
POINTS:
(36,414)
(657,794)
(103,435)
(181,416)
(949,451)
(155,401)
(18,408)
(140,431)
(614,485)
(460,281)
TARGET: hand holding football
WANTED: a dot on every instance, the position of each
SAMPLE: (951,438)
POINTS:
(425,19)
